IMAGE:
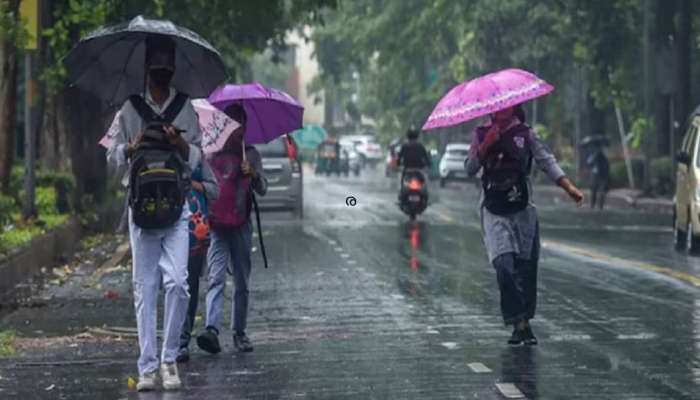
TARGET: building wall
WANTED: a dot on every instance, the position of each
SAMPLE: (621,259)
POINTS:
(305,69)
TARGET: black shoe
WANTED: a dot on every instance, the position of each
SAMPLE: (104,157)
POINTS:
(517,337)
(183,355)
(209,341)
(530,339)
(242,343)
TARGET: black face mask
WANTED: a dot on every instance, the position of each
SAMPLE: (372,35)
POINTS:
(161,77)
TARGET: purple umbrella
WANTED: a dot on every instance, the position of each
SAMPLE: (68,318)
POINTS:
(271,113)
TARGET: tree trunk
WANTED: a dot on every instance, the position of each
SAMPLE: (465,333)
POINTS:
(663,49)
(8,104)
(85,116)
(683,63)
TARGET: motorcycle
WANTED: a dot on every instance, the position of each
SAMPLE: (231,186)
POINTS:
(413,195)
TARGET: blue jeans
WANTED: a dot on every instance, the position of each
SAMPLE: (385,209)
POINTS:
(517,282)
(229,247)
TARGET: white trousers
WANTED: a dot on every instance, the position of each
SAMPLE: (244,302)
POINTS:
(160,255)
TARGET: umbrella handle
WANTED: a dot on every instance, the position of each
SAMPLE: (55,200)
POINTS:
(243,149)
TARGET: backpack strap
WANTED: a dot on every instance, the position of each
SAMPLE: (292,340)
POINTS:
(174,108)
(148,115)
(142,109)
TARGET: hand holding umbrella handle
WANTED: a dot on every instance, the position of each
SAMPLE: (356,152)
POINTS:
(492,136)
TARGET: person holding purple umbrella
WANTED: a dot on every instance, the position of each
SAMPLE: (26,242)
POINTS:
(239,172)
(504,148)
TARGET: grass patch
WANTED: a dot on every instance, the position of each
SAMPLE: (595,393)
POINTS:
(23,233)
(7,339)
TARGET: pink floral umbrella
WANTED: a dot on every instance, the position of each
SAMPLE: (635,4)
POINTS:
(486,95)
(216,127)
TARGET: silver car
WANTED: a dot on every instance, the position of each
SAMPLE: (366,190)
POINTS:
(283,171)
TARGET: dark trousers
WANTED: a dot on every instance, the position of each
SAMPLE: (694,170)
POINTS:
(195,264)
(517,282)
(599,190)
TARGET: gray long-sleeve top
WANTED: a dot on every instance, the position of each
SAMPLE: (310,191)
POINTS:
(515,233)
(255,160)
(128,124)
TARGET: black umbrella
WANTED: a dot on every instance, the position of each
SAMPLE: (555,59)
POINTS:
(110,62)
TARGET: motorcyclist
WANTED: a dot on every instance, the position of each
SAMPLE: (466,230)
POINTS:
(413,154)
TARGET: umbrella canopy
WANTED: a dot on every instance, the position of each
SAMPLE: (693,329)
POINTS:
(486,95)
(110,62)
(310,136)
(215,125)
(271,113)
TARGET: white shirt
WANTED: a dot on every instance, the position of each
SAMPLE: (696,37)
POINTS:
(128,124)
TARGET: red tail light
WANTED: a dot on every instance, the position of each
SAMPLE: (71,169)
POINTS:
(291,149)
(414,184)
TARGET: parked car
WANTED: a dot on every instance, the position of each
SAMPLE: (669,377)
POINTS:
(367,147)
(283,171)
(452,162)
(686,210)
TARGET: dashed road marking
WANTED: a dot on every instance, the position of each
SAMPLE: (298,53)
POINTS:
(569,338)
(637,336)
(479,368)
(332,242)
(352,262)
(338,249)
(432,332)
(449,345)
(510,391)
(345,255)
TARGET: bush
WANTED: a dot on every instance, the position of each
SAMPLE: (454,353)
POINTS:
(662,170)
(46,201)
(63,183)
(7,207)
(618,173)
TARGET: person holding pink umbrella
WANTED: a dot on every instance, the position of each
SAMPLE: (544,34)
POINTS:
(504,148)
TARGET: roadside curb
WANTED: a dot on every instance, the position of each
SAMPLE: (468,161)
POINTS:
(43,251)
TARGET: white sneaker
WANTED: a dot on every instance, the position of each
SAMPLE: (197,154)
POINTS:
(147,382)
(170,376)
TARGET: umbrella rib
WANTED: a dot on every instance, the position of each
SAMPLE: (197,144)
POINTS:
(187,58)
(93,60)
(121,76)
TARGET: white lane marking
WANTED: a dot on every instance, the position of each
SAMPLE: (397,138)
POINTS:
(479,368)
(345,255)
(338,249)
(510,391)
(352,262)
(449,345)
(569,338)
(637,336)
(332,242)
(432,332)
(397,296)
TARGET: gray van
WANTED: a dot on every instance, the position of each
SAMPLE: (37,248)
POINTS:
(283,171)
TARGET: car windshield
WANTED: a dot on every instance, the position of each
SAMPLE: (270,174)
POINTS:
(458,152)
(276,148)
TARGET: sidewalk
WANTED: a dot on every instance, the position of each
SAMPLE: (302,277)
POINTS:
(616,199)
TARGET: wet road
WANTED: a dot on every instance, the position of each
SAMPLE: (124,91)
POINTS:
(360,303)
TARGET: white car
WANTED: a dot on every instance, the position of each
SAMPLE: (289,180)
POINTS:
(452,162)
(366,146)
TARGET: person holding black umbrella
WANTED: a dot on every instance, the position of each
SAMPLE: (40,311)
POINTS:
(146,65)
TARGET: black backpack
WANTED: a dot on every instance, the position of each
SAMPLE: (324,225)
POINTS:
(506,170)
(159,178)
